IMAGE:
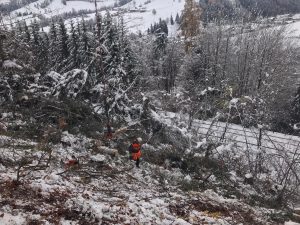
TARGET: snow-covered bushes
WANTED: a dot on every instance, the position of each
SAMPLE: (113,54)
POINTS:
(238,66)
(270,175)
(70,84)
(274,183)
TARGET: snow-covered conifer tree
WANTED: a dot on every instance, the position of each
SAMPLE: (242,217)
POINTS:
(53,45)
(73,48)
(63,51)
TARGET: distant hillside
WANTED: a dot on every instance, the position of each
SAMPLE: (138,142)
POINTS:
(138,14)
(271,7)
(230,8)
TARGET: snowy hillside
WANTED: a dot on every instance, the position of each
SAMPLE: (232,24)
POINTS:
(194,121)
(4,1)
(56,7)
(107,190)
(163,9)
(139,14)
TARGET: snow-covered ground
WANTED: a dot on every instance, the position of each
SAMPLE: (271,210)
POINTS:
(163,9)
(138,14)
(104,190)
(56,7)
(110,190)
(291,22)
(4,1)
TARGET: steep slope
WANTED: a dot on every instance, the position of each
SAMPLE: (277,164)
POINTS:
(105,190)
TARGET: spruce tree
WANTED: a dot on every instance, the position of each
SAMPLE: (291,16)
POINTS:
(171,20)
(37,45)
(177,19)
(19,27)
(27,33)
(85,47)
(112,59)
(100,47)
(43,58)
(35,29)
(160,44)
(62,41)
(118,64)
(151,29)
(53,45)
(128,60)
(19,31)
(99,29)
(164,27)
(73,48)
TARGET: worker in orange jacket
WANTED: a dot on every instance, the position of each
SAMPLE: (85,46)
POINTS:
(135,151)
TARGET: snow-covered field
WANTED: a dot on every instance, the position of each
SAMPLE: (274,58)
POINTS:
(138,14)
(163,9)
(56,7)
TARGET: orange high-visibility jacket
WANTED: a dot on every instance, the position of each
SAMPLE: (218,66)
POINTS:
(136,151)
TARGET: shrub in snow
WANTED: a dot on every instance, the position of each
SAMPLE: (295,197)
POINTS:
(77,143)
